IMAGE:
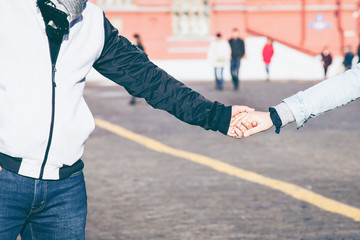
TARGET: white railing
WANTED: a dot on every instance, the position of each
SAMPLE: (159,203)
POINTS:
(115,3)
(191,17)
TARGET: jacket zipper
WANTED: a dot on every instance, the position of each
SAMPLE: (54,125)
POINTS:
(54,36)
(52,121)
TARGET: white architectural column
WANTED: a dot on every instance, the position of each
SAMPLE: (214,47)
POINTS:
(115,3)
(191,17)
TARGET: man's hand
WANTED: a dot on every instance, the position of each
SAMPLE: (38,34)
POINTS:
(237,114)
(254,122)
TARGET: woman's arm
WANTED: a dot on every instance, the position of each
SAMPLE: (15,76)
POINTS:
(325,96)
(318,99)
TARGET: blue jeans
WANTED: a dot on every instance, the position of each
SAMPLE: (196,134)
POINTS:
(219,77)
(267,69)
(42,210)
(234,69)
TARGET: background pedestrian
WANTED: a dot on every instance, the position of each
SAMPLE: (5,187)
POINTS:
(219,56)
(268,52)
(137,41)
(237,53)
(349,55)
(326,59)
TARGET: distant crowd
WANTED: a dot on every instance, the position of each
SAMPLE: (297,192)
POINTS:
(223,52)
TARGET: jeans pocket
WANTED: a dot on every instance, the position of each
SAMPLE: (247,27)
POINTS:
(76,173)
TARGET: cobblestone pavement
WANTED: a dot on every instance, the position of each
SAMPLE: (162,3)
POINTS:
(135,193)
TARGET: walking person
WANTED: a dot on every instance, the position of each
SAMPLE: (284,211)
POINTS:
(45,121)
(219,56)
(237,53)
(326,59)
(268,52)
(348,58)
(137,41)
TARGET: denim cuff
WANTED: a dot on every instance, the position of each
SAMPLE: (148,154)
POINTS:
(297,106)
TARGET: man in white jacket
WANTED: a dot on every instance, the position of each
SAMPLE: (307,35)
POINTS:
(219,56)
(47,48)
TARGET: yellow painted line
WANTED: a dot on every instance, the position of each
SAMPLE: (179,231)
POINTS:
(294,191)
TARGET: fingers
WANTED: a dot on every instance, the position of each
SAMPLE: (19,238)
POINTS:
(235,130)
(238,128)
(239,124)
(252,131)
(235,133)
(239,133)
(236,109)
(249,109)
(232,134)
(264,124)
(245,109)
(247,125)
(242,126)
(237,118)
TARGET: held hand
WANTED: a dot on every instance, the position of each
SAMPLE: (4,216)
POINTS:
(237,114)
(259,121)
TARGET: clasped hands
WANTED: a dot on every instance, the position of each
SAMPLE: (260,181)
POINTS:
(246,121)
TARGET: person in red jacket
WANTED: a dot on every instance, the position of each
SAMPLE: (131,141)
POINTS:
(267,53)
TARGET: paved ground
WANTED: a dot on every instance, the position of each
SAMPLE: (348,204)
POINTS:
(135,193)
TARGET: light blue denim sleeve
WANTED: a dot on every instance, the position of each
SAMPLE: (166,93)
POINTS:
(327,95)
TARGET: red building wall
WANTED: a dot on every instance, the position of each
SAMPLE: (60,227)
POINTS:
(292,22)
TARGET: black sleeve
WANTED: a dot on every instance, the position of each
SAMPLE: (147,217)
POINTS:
(128,66)
(243,48)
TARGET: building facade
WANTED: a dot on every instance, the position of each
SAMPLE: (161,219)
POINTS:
(182,29)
